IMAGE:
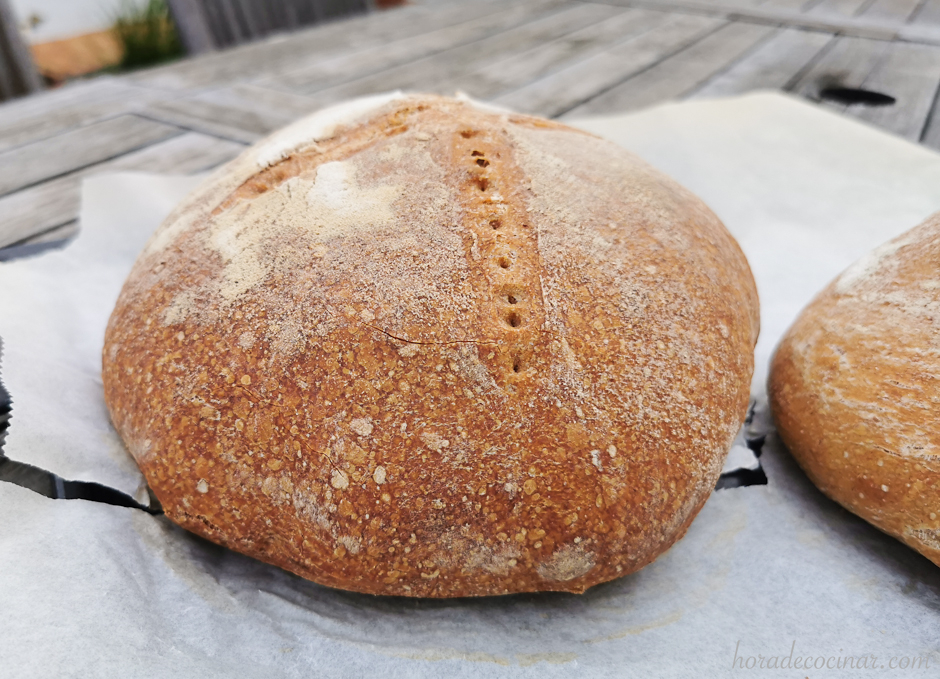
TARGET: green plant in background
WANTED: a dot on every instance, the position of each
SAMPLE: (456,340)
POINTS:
(147,32)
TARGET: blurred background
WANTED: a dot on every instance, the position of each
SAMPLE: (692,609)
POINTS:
(72,38)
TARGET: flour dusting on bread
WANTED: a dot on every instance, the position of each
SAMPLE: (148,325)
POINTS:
(855,388)
(418,346)
(321,125)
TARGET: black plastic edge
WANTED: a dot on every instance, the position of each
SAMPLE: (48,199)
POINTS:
(740,478)
(51,485)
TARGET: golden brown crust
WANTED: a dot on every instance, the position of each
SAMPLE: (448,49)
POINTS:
(441,352)
(855,389)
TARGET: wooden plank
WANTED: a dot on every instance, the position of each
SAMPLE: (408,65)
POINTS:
(576,84)
(45,207)
(728,4)
(242,113)
(847,64)
(273,103)
(436,73)
(836,8)
(927,14)
(225,122)
(54,236)
(773,65)
(716,5)
(681,73)
(910,74)
(51,240)
(829,21)
(891,11)
(280,52)
(78,148)
(53,111)
(931,134)
(493,79)
(787,5)
(324,73)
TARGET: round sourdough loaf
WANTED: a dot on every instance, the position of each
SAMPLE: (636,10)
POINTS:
(413,345)
(855,389)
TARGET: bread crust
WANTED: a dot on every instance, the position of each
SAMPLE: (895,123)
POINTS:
(855,389)
(438,350)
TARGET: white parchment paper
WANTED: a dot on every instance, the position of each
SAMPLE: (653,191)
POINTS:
(765,572)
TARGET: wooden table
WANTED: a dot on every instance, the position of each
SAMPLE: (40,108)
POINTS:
(557,58)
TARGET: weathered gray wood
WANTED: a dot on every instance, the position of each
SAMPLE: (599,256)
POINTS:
(45,207)
(53,238)
(836,8)
(225,122)
(436,73)
(345,67)
(829,21)
(570,87)
(731,4)
(53,111)
(927,14)
(493,79)
(891,11)
(272,104)
(78,148)
(681,73)
(281,52)
(242,113)
(931,135)
(191,26)
(847,64)
(787,5)
(910,74)
(773,65)
(18,74)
